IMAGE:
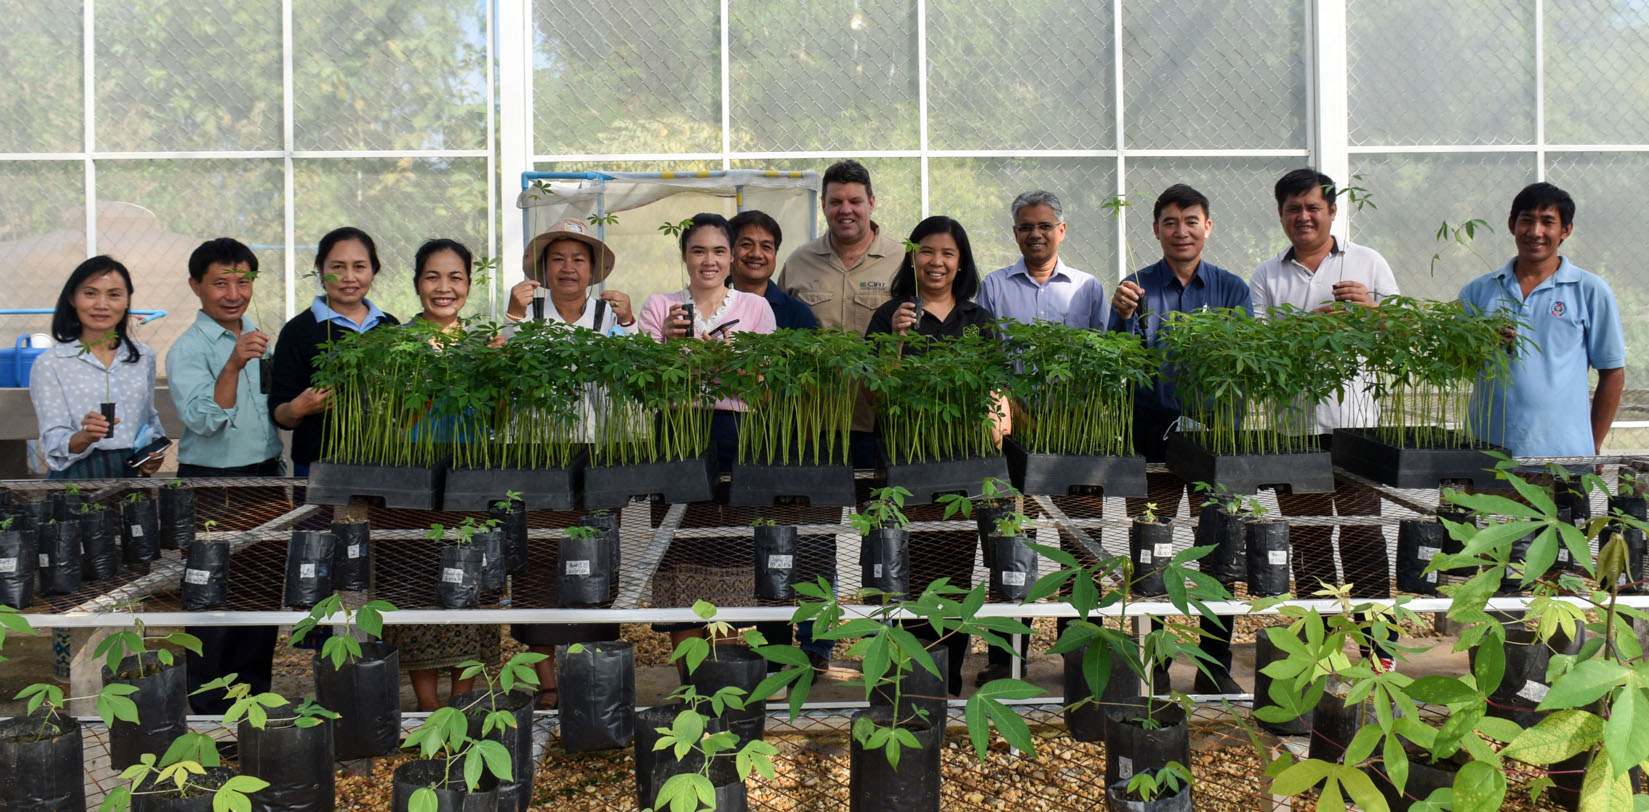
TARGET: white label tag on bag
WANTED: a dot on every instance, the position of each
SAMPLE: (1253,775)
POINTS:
(1164,550)
(1277,557)
(452,575)
(483,561)
(1145,555)
(137,531)
(876,570)
(1426,553)
(196,577)
(45,560)
(1125,767)
(1534,691)
(8,565)
(781,562)
(1011,578)
(579,567)
(306,570)
(353,551)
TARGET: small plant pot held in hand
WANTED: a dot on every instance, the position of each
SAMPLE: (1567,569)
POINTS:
(1418,541)
(58,543)
(42,761)
(1268,557)
(775,562)
(296,761)
(140,531)
(451,794)
(308,568)
(18,560)
(884,561)
(460,583)
(597,684)
(162,700)
(1131,746)
(205,575)
(877,786)
(108,410)
(367,694)
(177,517)
(100,557)
(516,793)
(1013,567)
(1226,532)
(351,556)
(1151,546)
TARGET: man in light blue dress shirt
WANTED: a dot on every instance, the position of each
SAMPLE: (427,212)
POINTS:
(1039,287)
(213,370)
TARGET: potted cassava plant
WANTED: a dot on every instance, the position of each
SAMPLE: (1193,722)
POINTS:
(357,673)
(1073,407)
(800,386)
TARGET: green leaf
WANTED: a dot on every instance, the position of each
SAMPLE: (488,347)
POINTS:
(1605,789)
(1625,742)
(1361,789)
(1479,787)
(1589,681)
(1300,777)
(1440,690)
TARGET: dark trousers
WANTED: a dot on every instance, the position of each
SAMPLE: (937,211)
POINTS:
(269,467)
(247,651)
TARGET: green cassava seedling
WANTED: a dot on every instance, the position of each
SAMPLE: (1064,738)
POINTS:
(884,511)
(1074,390)
(689,730)
(175,774)
(937,398)
(444,735)
(344,647)
(1166,782)
(801,387)
(136,641)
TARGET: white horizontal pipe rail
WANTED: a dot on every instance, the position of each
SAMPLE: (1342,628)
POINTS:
(731,614)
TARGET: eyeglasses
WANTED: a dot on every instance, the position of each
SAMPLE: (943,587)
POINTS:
(1027,228)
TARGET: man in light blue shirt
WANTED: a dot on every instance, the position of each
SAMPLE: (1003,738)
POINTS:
(214,369)
(1039,287)
(1573,322)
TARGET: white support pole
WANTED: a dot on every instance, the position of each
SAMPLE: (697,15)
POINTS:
(514,127)
(1330,120)
(88,89)
(289,230)
(922,96)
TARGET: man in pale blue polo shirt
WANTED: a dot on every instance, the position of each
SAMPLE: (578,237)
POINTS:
(1541,409)
(1041,287)
(213,372)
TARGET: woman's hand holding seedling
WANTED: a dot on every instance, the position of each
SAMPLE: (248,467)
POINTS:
(92,428)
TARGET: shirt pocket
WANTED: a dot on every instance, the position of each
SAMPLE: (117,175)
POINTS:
(869,299)
(814,298)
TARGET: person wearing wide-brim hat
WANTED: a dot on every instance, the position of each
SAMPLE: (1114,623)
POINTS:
(565,260)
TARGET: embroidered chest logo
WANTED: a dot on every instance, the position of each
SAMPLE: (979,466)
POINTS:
(1558,309)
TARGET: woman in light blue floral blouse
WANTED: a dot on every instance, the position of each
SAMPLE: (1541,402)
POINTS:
(95,362)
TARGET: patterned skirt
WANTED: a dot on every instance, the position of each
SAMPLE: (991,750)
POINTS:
(104,463)
(444,646)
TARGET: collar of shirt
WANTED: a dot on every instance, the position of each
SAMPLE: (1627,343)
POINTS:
(878,247)
(210,327)
(961,315)
(1021,270)
(324,314)
(71,349)
(1507,275)
(1333,248)
(1160,275)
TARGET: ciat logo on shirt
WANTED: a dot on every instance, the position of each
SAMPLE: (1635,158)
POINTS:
(1558,309)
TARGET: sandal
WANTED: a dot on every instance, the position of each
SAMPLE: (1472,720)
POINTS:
(548,699)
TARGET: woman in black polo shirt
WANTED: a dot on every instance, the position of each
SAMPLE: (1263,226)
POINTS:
(932,295)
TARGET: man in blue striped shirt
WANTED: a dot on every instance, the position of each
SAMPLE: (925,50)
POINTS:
(1040,287)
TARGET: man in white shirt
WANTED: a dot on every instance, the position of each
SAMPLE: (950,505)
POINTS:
(1319,272)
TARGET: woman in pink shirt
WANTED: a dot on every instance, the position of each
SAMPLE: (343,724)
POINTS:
(717,311)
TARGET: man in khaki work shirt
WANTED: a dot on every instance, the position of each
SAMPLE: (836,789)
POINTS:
(843,276)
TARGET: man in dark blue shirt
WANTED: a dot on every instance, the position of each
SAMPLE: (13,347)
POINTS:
(1182,281)
(756,239)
